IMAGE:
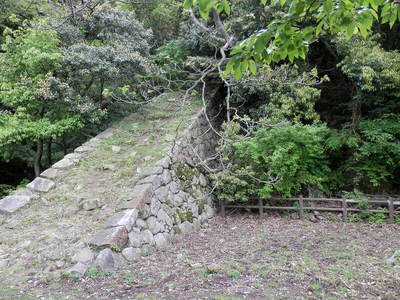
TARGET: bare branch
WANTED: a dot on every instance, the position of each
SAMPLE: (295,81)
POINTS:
(204,28)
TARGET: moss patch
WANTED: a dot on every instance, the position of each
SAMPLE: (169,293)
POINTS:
(202,206)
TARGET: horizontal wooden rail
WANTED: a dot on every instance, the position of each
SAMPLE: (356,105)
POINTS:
(344,208)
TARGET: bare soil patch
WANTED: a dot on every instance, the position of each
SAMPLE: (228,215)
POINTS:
(249,257)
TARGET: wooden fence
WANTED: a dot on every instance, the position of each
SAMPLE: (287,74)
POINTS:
(344,207)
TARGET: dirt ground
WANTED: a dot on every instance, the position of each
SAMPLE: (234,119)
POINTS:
(247,257)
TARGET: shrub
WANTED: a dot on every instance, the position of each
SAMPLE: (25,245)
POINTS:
(275,161)
(373,153)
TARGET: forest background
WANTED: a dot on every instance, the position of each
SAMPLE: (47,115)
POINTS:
(310,89)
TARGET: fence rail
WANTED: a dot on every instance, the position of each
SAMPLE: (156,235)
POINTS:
(344,207)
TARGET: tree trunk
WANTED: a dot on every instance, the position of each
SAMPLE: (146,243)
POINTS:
(64,146)
(38,157)
(48,148)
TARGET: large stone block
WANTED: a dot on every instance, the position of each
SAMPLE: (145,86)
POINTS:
(210,211)
(163,217)
(141,224)
(160,240)
(155,207)
(164,162)
(75,157)
(150,171)
(141,194)
(78,269)
(50,173)
(116,237)
(166,177)
(154,180)
(162,193)
(186,227)
(131,254)
(125,218)
(12,203)
(107,260)
(84,256)
(83,148)
(41,185)
(135,239)
(174,187)
(147,237)
(105,134)
(64,163)
(154,225)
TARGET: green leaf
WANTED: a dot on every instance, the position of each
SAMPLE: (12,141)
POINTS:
(238,72)
(205,7)
(244,65)
(226,7)
(188,4)
(229,66)
(392,19)
(350,30)
(252,67)
(328,6)
(259,45)
(363,30)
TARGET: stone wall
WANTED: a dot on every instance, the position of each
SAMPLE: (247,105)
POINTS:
(171,198)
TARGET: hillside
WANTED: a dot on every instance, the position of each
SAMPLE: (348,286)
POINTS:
(40,239)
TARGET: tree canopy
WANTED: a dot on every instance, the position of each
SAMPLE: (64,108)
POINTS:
(289,35)
(310,89)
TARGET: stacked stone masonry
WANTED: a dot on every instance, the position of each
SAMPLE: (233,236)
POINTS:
(171,198)
(44,183)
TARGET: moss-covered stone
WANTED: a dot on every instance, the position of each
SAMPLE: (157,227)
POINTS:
(181,216)
(175,218)
(185,174)
(189,216)
(177,230)
(202,206)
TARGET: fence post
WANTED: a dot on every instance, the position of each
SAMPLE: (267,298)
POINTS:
(301,207)
(222,206)
(391,210)
(260,207)
(344,209)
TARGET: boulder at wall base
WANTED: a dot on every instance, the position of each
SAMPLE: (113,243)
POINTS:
(10,204)
(154,225)
(116,238)
(78,269)
(160,240)
(131,254)
(186,227)
(107,260)
(83,256)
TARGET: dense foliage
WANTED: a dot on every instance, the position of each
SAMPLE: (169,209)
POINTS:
(310,89)
(278,160)
(62,74)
